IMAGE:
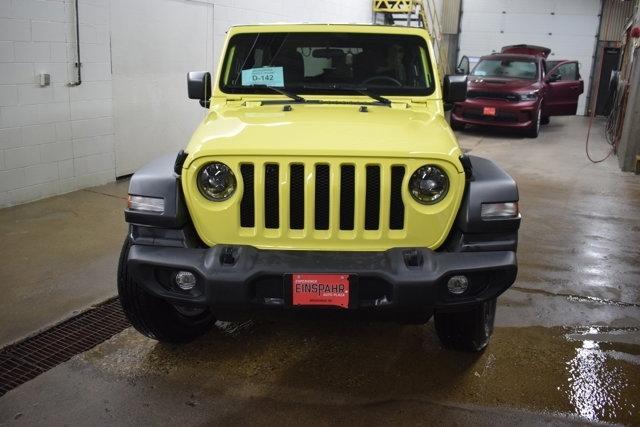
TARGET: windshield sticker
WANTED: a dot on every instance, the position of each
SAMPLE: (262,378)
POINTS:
(268,76)
(480,73)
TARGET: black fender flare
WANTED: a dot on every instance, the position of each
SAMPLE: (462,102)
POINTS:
(488,183)
(159,179)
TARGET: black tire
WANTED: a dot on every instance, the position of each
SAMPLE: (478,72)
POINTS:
(153,316)
(456,125)
(534,130)
(467,330)
(545,120)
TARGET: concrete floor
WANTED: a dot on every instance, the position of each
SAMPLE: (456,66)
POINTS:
(566,347)
(59,256)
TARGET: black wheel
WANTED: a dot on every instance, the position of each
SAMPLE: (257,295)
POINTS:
(154,317)
(467,330)
(534,130)
(545,120)
(456,125)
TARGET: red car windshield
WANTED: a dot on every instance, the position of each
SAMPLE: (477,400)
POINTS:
(506,68)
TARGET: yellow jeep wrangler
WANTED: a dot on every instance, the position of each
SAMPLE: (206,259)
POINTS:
(324,177)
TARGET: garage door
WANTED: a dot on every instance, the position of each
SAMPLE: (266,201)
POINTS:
(568,28)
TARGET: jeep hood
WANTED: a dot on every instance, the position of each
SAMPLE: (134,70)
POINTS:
(324,130)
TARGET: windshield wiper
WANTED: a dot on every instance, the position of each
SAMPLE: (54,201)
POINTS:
(281,91)
(381,99)
(297,98)
(364,91)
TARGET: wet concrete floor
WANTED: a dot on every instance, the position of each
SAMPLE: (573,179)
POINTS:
(566,349)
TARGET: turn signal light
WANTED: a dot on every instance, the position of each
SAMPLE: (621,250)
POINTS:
(145,204)
(500,210)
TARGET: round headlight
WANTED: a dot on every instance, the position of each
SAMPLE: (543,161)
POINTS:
(429,184)
(216,181)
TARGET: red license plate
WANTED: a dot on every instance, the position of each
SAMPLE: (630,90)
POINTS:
(489,111)
(320,289)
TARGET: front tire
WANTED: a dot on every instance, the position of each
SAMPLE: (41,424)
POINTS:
(534,130)
(468,329)
(154,317)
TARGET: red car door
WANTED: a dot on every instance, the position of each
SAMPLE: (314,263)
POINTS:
(564,87)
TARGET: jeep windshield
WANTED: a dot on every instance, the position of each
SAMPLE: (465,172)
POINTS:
(506,68)
(327,63)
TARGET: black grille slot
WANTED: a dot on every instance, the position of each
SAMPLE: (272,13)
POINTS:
(322,197)
(372,200)
(271,197)
(247,214)
(347,190)
(396,213)
(296,198)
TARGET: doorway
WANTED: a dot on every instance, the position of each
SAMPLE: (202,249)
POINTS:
(610,62)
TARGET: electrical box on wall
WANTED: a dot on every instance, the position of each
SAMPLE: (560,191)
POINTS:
(44,79)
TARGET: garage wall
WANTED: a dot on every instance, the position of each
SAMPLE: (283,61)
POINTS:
(57,138)
(132,103)
(568,28)
(154,44)
(629,143)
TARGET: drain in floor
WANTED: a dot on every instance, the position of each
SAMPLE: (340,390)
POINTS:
(31,357)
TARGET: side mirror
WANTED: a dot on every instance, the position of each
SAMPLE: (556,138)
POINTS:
(554,78)
(199,87)
(454,90)
(460,71)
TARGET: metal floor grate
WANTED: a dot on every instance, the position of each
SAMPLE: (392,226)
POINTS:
(31,357)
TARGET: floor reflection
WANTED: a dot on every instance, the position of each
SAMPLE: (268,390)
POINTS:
(595,386)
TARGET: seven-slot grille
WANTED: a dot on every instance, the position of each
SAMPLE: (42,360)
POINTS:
(310,187)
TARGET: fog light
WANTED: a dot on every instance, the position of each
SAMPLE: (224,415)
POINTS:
(458,284)
(185,280)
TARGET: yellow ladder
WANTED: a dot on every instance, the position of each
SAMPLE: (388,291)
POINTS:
(414,13)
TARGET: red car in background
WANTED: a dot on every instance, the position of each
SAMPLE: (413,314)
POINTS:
(519,89)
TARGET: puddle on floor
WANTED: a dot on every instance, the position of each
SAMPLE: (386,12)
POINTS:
(592,372)
(596,381)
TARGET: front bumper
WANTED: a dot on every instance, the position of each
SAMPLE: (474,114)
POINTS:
(241,278)
(516,115)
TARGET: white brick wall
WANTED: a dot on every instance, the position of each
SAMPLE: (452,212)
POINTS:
(58,138)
